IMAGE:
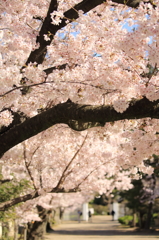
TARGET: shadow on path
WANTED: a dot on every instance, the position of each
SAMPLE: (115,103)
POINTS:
(106,232)
(100,227)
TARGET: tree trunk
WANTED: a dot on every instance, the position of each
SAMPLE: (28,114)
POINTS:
(37,229)
(15,230)
(5,230)
(149,216)
(150,207)
(139,219)
(134,219)
(61,212)
(51,221)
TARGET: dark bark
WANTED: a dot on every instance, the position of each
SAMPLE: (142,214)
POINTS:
(51,69)
(150,206)
(140,219)
(37,229)
(48,227)
(76,116)
(38,54)
(4,181)
(51,221)
(149,216)
(61,212)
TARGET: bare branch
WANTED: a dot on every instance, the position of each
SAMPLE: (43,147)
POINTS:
(41,180)
(90,173)
(65,173)
(27,167)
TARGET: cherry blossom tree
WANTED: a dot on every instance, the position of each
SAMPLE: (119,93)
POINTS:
(70,66)
(60,164)
(81,90)
(75,63)
(37,213)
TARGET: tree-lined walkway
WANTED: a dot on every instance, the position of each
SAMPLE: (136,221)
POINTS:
(100,228)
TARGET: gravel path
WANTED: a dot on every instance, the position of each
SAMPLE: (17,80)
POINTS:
(100,228)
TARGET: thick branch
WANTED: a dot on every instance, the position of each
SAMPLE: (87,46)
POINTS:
(76,116)
(2,181)
(5,205)
(38,55)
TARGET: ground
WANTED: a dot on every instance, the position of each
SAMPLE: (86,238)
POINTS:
(101,227)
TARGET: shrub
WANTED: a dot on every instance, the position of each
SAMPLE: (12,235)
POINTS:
(126,220)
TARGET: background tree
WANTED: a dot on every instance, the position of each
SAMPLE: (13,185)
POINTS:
(65,169)
(141,198)
(10,188)
(64,166)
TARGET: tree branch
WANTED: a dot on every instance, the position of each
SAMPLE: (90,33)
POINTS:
(27,166)
(5,205)
(78,117)
(38,55)
(12,202)
(2,181)
(65,172)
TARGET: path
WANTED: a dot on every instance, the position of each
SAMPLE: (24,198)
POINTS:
(101,228)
